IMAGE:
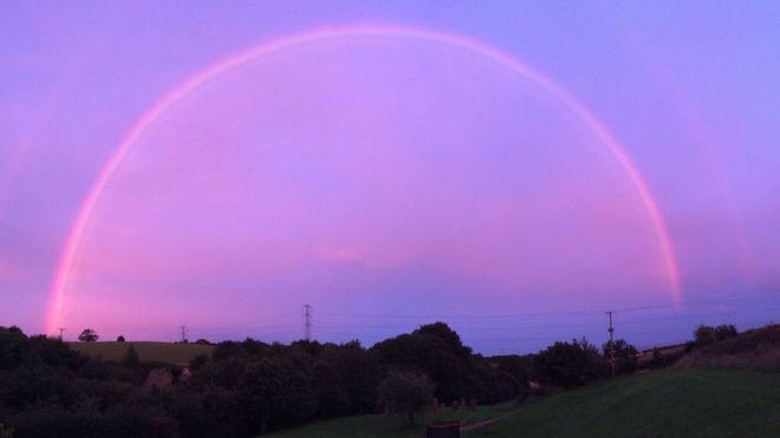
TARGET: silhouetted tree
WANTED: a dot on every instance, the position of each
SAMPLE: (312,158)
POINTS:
(626,355)
(332,395)
(406,392)
(570,364)
(361,373)
(436,350)
(88,335)
(276,393)
(120,338)
(13,347)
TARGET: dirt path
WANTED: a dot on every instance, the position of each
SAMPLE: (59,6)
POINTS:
(487,422)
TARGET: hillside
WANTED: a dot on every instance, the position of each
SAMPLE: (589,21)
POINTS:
(684,403)
(754,349)
(163,352)
(671,403)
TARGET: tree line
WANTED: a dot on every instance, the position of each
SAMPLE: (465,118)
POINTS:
(250,387)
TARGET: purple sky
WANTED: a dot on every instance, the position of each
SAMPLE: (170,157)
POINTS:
(389,178)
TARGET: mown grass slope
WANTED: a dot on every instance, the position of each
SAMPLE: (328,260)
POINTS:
(672,403)
(163,352)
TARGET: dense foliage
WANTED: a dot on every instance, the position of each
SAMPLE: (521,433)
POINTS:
(406,393)
(250,387)
(570,364)
(705,335)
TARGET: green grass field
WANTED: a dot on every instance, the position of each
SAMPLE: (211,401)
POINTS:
(379,426)
(670,403)
(165,352)
(673,403)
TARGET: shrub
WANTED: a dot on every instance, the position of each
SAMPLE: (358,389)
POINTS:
(570,364)
(406,393)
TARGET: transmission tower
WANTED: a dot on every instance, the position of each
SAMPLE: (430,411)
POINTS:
(184,334)
(61,329)
(307,322)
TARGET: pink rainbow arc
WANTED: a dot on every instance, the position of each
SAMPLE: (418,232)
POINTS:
(73,244)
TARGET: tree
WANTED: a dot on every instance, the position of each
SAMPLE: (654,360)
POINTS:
(704,335)
(13,347)
(625,355)
(436,350)
(406,393)
(120,338)
(332,395)
(88,335)
(570,364)
(275,392)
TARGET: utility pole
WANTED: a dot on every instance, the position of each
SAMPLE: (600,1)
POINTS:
(183,334)
(61,329)
(611,331)
(307,322)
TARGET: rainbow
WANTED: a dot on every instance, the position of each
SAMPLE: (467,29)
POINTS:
(73,243)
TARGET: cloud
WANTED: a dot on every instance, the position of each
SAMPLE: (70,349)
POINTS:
(339,254)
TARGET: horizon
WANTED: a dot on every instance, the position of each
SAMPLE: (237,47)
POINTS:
(515,170)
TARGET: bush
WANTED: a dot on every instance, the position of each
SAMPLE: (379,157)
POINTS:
(6,432)
(706,335)
(275,392)
(725,331)
(625,355)
(570,364)
(406,393)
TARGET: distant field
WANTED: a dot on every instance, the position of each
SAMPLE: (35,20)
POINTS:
(647,356)
(379,426)
(674,403)
(165,352)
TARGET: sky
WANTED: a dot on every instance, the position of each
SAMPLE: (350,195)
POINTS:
(515,169)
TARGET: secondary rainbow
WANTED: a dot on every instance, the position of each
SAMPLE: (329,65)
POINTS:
(73,243)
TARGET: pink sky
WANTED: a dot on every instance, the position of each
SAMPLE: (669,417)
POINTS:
(386,181)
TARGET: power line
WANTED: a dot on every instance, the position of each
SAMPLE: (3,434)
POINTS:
(722,299)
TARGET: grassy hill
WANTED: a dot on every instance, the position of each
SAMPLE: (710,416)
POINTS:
(670,403)
(684,403)
(164,352)
(755,349)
